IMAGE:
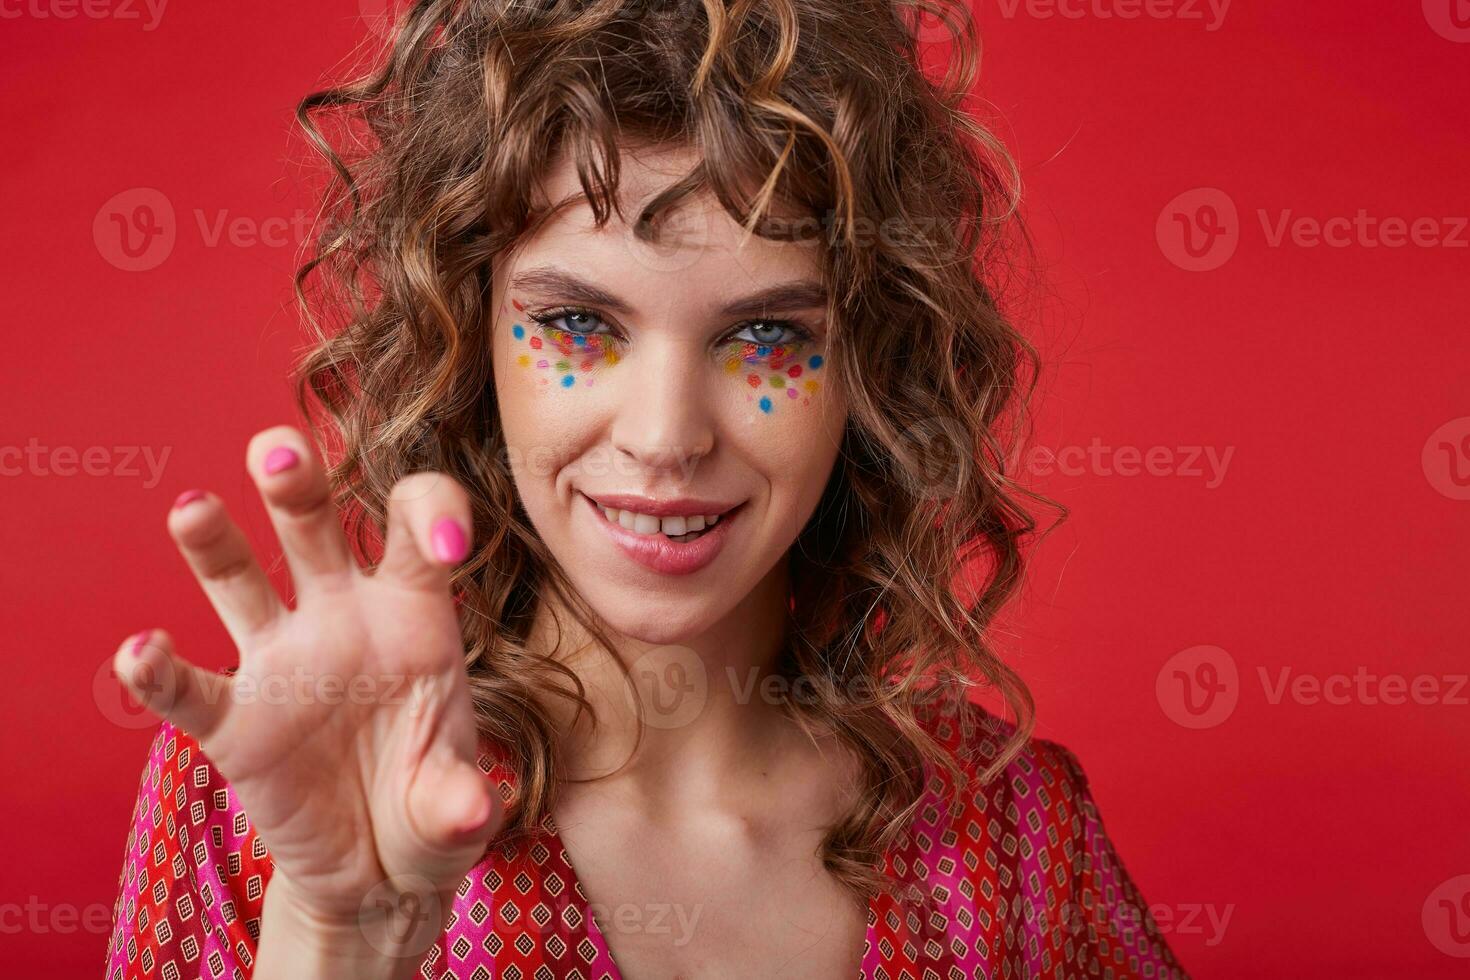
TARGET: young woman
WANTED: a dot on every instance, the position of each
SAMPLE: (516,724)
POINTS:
(634,627)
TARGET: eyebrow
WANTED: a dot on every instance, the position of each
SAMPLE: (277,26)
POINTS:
(799,294)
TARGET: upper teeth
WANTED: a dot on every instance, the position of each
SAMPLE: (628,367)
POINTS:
(648,524)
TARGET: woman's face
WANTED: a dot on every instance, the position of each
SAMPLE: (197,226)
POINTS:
(646,389)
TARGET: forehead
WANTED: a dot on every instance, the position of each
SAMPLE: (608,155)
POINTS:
(698,249)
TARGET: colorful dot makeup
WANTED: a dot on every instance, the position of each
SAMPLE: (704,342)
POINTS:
(776,375)
(561,358)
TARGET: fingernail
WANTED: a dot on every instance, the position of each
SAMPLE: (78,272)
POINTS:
(280,458)
(449,541)
(188,497)
(139,639)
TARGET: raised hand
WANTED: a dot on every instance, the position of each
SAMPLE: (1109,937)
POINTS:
(347,731)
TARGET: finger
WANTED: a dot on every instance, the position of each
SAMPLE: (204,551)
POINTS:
(293,483)
(428,529)
(220,557)
(453,810)
(177,691)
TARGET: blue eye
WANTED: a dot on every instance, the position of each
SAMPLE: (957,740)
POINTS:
(582,322)
(578,321)
(771,333)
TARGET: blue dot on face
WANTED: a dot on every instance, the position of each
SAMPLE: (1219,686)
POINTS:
(518,331)
(580,341)
(761,350)
(814,362)
(766,405)
(567,380)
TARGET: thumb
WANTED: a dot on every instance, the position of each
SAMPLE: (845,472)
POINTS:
(454,810)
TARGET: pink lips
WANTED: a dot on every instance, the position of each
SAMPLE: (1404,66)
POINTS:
(657,552)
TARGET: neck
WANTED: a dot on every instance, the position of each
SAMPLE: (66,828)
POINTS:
(704,717)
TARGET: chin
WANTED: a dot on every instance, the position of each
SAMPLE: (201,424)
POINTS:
(664,621)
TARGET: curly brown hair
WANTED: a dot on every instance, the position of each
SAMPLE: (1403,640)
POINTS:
(825,108)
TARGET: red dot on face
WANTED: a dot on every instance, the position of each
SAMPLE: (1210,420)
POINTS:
(535,343)
(794,371)
(753,380)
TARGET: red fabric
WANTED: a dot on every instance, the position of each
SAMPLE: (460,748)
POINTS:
(1015,877)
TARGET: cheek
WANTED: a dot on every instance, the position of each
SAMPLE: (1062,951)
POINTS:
(791,417)
(557,361)
(779,382)
(540,381)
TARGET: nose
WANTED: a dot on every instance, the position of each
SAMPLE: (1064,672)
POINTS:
(665,419)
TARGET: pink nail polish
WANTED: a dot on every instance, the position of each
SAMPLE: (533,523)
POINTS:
(138,640)
(188,497)
(280,458)
(449,541)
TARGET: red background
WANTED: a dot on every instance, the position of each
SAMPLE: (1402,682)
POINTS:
(1327,548)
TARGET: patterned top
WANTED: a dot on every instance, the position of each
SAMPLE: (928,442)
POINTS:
(1013,878)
